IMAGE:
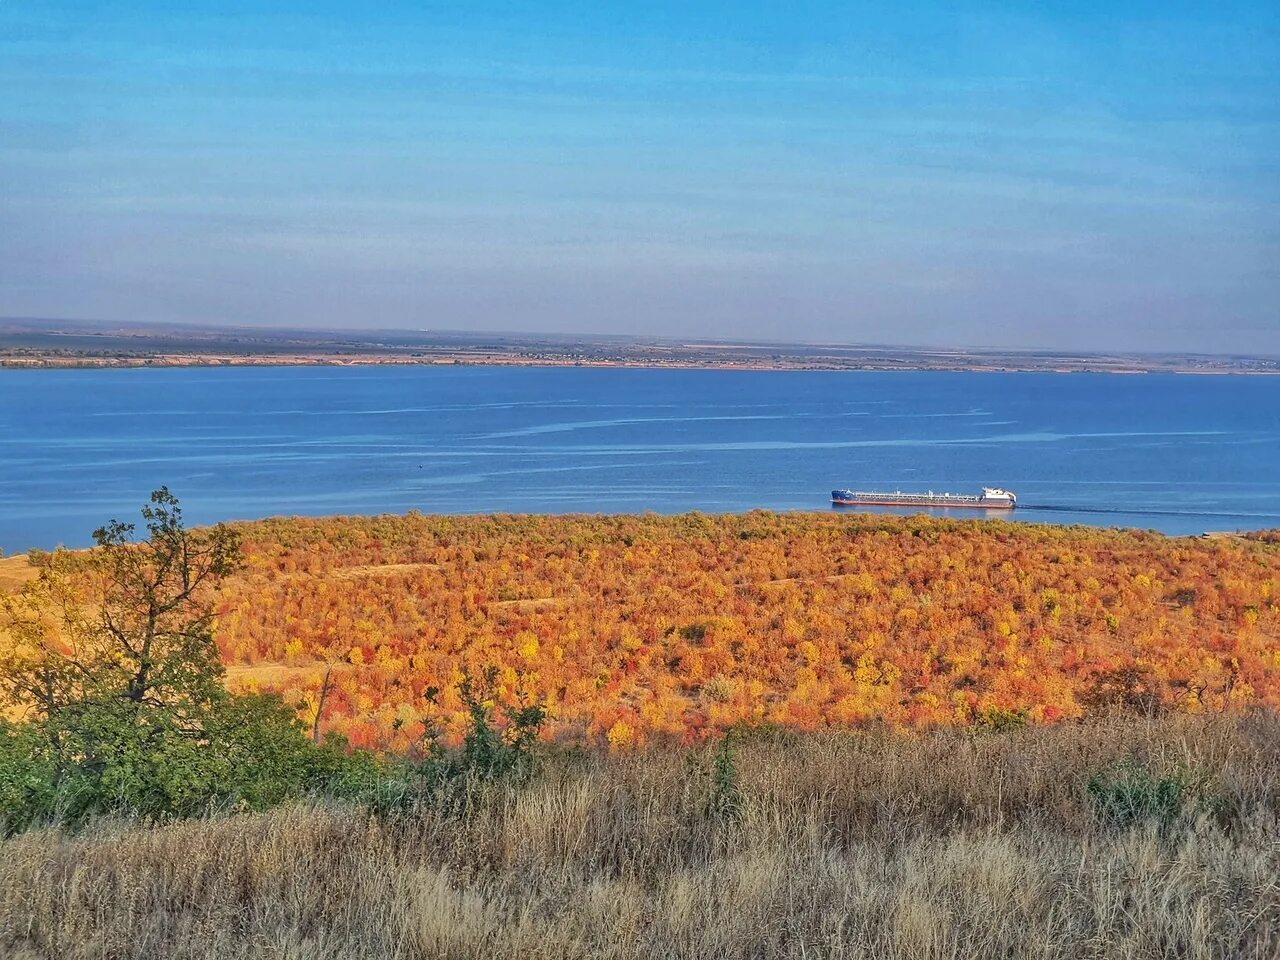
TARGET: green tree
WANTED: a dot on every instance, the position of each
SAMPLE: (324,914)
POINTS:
(128,622)
(115,670)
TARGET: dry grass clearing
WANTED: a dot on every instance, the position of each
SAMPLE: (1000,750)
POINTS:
(278,676)
(14,572)
(378,570)
(529,605)
(876,845)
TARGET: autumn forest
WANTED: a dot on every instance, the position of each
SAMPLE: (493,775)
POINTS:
(642,629)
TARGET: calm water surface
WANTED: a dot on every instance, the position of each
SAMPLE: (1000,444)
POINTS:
(1182,454)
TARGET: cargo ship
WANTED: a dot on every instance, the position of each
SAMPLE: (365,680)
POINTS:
(991,498)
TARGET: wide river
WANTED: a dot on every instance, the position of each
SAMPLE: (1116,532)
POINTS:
(1182,454)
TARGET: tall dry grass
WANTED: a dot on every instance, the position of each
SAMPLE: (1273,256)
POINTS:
(936,845)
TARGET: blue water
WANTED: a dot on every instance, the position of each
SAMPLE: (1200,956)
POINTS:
(1182,454)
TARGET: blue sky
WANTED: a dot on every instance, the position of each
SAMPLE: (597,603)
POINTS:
(1080,175)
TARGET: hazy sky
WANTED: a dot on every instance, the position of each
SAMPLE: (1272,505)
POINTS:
(1082,175)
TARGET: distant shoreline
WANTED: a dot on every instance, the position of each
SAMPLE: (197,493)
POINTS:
(908,365)
(56,345)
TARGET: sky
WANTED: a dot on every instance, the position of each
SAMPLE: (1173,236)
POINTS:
(1080,175)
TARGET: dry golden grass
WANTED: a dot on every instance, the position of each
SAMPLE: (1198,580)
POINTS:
(379,570)
(241,677)
(15,571)
(876,845)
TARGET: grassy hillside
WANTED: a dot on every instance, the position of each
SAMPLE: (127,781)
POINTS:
(1111,839)
(948,740)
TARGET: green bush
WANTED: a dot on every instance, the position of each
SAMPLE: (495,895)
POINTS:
(27,772)
(1129,793)
(499,747)
(725,799)
(1001,721)
(250,754)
